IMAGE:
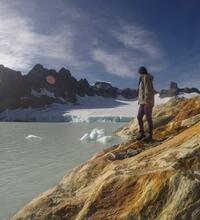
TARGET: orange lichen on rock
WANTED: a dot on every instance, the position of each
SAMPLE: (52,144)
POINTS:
(190,108)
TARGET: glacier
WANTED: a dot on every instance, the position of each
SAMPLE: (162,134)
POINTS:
(89,109)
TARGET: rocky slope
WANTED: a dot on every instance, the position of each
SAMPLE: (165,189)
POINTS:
(172,113)
(162,181)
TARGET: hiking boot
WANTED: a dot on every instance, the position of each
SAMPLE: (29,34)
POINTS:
(148,137)
(140,136)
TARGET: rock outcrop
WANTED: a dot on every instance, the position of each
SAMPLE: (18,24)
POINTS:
(105,89)
(174,90)
(161,182)
(84,88)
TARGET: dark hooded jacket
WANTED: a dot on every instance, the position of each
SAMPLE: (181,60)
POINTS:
(146,90)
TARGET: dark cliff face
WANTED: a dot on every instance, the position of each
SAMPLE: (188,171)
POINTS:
(65,85)
(12,84)
(17,90)
(84,88)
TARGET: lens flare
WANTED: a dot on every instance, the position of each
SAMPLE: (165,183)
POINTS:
(51,80)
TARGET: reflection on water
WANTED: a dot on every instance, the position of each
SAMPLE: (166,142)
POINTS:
(34,156)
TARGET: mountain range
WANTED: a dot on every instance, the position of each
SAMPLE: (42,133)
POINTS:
(34,90)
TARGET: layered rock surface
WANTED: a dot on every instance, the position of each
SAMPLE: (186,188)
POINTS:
(161,182)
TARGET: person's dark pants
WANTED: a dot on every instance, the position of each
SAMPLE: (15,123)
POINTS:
(147,111)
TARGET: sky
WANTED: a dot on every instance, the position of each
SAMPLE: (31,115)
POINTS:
(106,40)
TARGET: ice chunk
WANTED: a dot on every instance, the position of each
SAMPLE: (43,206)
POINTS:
(105,139)
(85,137)
(32,137)
(97,134)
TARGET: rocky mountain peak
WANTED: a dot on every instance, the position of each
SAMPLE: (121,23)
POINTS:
(65,72)
(38,68)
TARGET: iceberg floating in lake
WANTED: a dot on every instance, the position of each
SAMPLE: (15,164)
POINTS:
(105,139)
(97,134)
(32,137)
(85,137)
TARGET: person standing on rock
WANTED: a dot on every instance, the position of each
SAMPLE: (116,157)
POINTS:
(146,102)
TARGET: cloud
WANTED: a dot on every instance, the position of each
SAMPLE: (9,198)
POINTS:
(118,63)
(139,48)
(137,38)
(21,46)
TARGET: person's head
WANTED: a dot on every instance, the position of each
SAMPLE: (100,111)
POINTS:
(142,70)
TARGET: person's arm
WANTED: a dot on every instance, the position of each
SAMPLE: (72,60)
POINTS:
(147,89)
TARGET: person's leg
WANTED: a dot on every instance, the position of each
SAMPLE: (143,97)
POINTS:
(140,118)
(148,112)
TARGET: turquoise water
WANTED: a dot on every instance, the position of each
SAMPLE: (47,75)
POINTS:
(31,166)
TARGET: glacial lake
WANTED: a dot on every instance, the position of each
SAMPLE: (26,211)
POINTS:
(35,156)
